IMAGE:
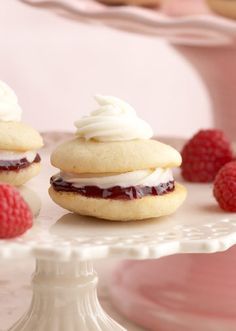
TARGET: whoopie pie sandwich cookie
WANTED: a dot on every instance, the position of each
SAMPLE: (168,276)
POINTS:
(113,170)
(19,159)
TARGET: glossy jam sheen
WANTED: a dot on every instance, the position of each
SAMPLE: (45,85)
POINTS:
(15,165)
(116,192)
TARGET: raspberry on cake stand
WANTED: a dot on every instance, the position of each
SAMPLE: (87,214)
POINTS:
(64,246)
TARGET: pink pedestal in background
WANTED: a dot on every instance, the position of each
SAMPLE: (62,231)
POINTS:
(217,68)
(189,292)
(192,292)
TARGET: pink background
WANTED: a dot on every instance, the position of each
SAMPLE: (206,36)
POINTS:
(56,65)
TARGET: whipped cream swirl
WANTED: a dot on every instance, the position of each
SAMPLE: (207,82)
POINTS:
(114,120)
(9,108)
(134,178)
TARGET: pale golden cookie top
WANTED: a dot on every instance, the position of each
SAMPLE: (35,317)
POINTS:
(81,156)
(17,136)
(113,139)
(14,135)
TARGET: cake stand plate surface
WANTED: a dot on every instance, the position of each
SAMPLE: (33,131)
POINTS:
(64,244)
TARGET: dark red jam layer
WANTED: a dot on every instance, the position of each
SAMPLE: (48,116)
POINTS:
(116,192)
(15,165)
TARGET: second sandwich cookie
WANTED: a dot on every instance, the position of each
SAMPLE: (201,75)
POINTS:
(19,159)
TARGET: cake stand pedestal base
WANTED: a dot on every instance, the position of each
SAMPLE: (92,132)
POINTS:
(65,299)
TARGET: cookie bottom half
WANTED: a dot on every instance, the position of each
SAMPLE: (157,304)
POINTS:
(21,176)
(121,210)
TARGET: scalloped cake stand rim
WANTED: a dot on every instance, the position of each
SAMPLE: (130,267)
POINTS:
(58,235)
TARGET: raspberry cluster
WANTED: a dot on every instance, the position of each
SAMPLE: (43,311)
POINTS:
(208,157)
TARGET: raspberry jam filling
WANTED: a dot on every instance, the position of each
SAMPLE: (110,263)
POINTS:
(15,165)
(116,192)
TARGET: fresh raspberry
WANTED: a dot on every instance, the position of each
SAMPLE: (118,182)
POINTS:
(204,155)
(225,187)
(15,214)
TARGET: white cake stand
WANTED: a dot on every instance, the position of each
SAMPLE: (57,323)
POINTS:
(64,245)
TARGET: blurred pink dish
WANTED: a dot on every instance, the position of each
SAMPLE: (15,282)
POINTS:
(185,292)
